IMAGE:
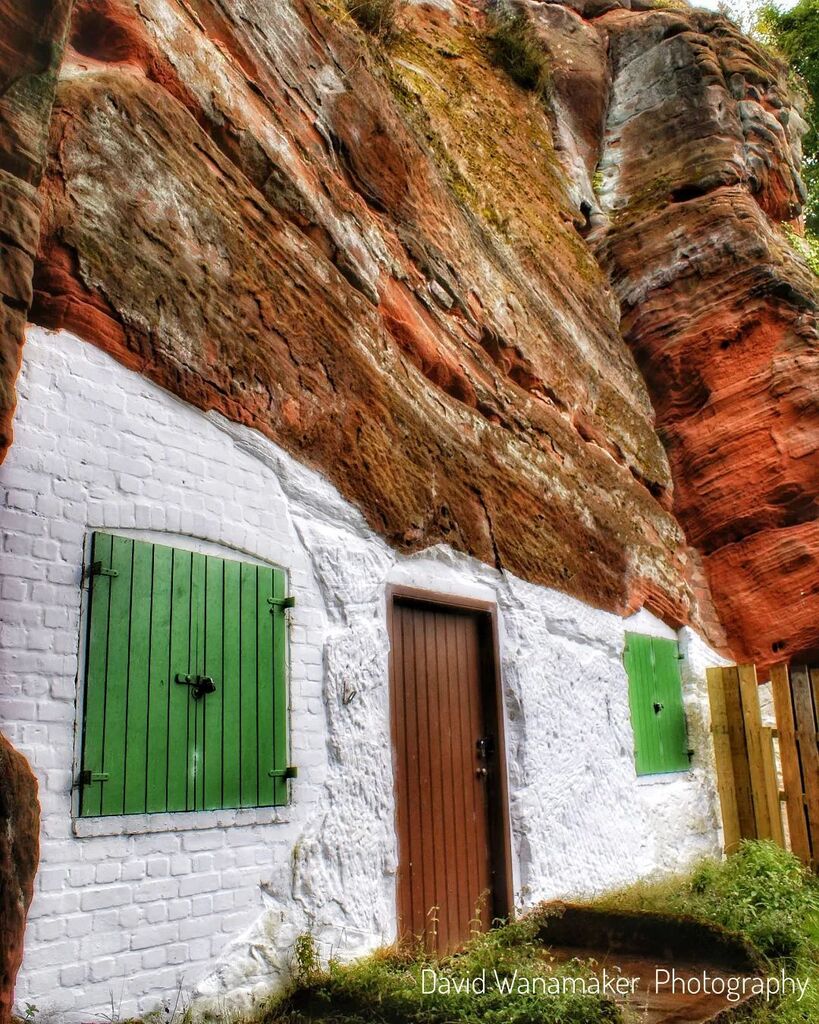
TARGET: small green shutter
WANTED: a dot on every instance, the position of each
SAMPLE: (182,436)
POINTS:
(655,697)
(158,613)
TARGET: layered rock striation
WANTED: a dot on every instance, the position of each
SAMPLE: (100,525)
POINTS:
(410,273)
(700,161)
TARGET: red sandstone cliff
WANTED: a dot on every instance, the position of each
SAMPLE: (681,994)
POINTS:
(411,274)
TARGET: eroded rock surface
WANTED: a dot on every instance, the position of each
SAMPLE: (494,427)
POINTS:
(719,312)
(19,855)
(30,52)
(410,273)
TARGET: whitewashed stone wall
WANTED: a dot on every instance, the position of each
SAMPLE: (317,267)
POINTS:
(142,911)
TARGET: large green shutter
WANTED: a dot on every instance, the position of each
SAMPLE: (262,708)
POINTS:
(655,698)
(157,613)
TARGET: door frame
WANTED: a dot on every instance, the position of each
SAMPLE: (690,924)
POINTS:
(486,613)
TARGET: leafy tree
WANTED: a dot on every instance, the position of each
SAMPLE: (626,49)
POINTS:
(795,34)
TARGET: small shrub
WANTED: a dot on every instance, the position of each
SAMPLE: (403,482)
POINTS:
(306,960)
(515,47)
(378,17)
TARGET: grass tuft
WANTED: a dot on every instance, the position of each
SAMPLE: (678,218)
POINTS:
(515,47)
(378,17)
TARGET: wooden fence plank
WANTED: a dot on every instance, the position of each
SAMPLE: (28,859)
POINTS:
(791,774)
(722,755)
(739,753)
(752,717)
(772,785)
(808,752)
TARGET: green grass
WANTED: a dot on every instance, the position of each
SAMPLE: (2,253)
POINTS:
(765,895)
(386,988)
(762,893)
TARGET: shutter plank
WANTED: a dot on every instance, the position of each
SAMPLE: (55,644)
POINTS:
(196,708)
(94,706)
(213,703)
(161,681)
(671,724)
(116,690)
(265,686)
(638,669)
(139,660)
(231,692)
(280,703)
(179,696)
(248,750)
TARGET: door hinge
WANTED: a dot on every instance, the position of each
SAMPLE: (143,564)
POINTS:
(281,602)
(98,569)
(87,777)
(290,772)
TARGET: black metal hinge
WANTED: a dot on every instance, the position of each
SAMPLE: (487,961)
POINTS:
(98,569)
(87,777)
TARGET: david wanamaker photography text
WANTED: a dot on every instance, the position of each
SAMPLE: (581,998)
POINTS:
(614,983)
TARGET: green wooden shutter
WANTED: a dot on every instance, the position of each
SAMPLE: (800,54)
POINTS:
(655,698)
(157,613)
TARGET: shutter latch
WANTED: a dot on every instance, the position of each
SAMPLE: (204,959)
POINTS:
(98,569)
(290,772)
(200,685)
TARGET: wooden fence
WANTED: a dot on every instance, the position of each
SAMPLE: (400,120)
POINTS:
(796,698)
(746,763)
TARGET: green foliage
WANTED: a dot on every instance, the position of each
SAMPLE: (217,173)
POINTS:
(515,47)
(386,988)
(806,245)
(795,35)
(764,894)
(378,17)
(306,960)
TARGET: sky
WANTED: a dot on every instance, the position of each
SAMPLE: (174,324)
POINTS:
(743,8)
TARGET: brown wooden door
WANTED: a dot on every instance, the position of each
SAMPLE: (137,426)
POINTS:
(449,788)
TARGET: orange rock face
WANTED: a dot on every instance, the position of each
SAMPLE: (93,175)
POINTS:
(719,313)
(410,274)
(19,855)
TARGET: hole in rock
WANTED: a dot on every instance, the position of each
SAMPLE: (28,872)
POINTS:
(102,33)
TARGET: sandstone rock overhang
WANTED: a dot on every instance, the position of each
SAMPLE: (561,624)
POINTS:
(397,264)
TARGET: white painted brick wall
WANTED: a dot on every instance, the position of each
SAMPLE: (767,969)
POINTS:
(130,917)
